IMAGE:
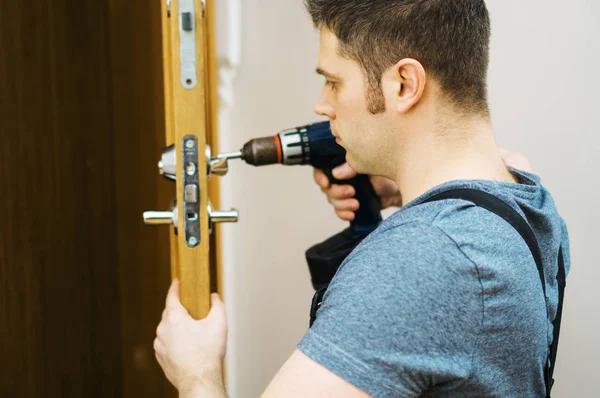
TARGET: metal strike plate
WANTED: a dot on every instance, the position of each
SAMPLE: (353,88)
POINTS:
(187,43)
(191,197)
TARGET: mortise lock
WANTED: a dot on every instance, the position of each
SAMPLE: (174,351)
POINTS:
(218,165)
(190,172)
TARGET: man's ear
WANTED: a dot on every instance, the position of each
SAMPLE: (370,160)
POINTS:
(410,79)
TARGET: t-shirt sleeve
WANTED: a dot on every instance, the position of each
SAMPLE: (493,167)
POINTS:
(402,314)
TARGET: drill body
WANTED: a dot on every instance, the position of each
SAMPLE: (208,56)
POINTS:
(316,146)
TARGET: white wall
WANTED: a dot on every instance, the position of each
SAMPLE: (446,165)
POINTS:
(543,92)
(544,85)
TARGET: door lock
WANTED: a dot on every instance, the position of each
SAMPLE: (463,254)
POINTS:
(167,167)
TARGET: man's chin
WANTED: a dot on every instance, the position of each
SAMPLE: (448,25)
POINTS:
(352,163)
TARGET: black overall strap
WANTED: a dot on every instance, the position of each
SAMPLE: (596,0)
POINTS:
(510,215)
(562,282)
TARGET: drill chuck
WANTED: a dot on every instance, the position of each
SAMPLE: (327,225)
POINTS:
(262,151)
(313,144)
(289,147)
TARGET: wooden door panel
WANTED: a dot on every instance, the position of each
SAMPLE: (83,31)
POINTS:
(189,107)
(59,294)
(83,118)
(139,119)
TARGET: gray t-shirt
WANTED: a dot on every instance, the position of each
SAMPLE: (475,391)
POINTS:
(444,299)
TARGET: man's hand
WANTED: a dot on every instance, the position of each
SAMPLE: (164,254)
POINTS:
(341,196)
(515,160)
(191,352)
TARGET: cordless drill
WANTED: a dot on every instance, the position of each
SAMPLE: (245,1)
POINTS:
(314,145)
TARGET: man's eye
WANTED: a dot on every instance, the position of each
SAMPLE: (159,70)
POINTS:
(330,84)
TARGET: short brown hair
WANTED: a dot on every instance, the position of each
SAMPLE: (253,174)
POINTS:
(450,38)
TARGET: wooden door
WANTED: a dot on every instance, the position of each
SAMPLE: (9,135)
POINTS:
(144,124)
(190,129)
(82,124)
(60,329)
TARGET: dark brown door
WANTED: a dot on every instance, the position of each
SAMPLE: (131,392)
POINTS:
(82,280)
(59,287)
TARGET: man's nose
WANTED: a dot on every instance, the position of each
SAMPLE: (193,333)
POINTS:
(324,108)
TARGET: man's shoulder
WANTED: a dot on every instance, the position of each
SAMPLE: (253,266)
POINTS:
(429,226)
(413,246)
(456,220)
(447,215)
(438,237)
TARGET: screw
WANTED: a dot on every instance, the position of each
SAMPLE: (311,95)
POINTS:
(192,241)
(189,144)
(190,168)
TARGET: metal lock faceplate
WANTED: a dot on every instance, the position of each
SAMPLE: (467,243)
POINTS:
(187,44)
(191,193)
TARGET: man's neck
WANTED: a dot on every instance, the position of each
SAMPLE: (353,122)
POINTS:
(468,152)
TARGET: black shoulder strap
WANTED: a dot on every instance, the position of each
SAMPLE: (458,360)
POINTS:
(562,282)
(505,211)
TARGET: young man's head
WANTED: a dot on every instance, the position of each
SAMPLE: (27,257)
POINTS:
(393,66)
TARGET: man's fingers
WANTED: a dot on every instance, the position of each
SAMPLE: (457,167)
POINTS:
(518,161)
(341,191)
(344,172)
(173,302)
(217,309)
(504,152)
(158,347)
(340,196)
(345,215)
(344,204)
(515,159)
(321,179)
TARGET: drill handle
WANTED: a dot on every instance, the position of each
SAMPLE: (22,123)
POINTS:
(368,215)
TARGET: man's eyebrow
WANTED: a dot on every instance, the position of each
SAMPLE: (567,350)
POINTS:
(326,74)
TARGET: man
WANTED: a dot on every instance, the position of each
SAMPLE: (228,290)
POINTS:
(444,298)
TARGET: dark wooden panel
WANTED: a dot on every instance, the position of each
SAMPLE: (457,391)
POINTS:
(59,287)
(139,122)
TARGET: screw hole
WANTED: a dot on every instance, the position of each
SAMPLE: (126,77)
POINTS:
(192,216)
(188,82)
(190,168)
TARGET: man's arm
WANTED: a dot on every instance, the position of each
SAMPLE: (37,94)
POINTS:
(205,390)
(191,354)
(300,376)
(190,351)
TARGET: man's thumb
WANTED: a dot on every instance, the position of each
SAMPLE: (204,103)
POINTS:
(217,308)
(344,172)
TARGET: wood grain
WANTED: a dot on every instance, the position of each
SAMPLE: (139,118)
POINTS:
(189,117)
(59,284)
(165,26)
(140,123)
(212,138)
